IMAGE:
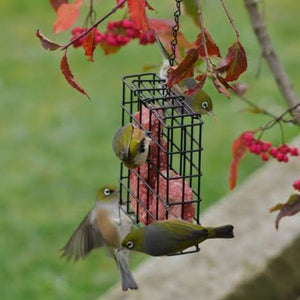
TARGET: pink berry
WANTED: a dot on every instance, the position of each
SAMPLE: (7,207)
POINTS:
(266,146)
(248,136)
(296,185)
(264,157)
(273,152)
(252,148)
(294,151)
(126,23)
(258,148)
(279,156)
(285,158)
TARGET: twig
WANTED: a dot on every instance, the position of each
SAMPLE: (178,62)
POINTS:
(230,20)
(271,57)
(95,25)
(91,14)
(271,123)
(203,42)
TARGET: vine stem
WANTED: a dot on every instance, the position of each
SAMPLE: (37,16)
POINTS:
(94,25)
(272,59)
(230,20)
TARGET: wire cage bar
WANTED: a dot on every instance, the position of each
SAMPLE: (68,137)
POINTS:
(168,184)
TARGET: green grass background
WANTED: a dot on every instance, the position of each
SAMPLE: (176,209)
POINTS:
(56,146)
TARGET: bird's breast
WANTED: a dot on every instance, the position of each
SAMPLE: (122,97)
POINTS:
(108,227)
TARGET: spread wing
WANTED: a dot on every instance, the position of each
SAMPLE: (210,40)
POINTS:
(85,238)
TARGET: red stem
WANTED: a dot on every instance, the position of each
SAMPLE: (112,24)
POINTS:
(95,25)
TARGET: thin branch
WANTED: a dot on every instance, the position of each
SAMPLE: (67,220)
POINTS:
(95,25)
(203,42)
(271,57)
(271,123)
(230,20)
(91,14)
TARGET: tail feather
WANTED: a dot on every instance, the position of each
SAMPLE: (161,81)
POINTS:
(225,232)
(127,279)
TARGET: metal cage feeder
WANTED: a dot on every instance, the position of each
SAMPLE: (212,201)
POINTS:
(168,184)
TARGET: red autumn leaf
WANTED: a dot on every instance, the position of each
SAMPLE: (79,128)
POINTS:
(220,86)
(66,16)
(238,150)
(184,69)
(57,3)
(118,2)
(47,44)
(65,68)
(289,208)
(237,59)
(136,9)
(201,80)
(164,29)
(89,45)
(211,46)
(224,65)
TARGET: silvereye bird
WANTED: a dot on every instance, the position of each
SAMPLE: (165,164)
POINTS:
(200,101)
(172,236)
(131,145)
(104,226)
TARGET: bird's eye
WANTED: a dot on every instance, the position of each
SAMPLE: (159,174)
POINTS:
(204,105)
(107,192)
(129,244)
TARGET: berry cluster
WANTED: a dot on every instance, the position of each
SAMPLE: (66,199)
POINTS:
(296,185)
(77,31)
(265,150)
(117,34)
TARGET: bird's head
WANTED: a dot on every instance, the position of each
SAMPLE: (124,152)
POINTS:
(107,194)
(135,240)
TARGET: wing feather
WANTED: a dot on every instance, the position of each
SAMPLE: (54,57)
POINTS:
(85,238)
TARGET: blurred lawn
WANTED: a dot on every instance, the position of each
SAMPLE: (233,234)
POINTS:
(56,145)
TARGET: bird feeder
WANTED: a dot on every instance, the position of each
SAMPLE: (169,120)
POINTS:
(168,185)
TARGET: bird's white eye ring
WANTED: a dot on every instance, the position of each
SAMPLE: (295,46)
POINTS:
(107,192)
(204,105)
(129,244)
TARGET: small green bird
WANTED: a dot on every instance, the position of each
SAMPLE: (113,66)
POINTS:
(172,236)
(104,226)
(200,101)
(131,145)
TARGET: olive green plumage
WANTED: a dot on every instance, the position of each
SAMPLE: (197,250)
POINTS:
(131,145)
(172,236)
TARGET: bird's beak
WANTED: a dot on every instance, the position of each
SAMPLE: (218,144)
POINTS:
(212,115)
(120,248)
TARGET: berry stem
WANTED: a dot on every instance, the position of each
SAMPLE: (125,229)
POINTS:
(94,25)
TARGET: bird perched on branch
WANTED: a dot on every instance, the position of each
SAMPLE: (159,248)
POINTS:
(104,226)
(172,236)
(200,101)
(131,145)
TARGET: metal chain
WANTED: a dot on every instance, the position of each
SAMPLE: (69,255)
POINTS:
(175,30)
